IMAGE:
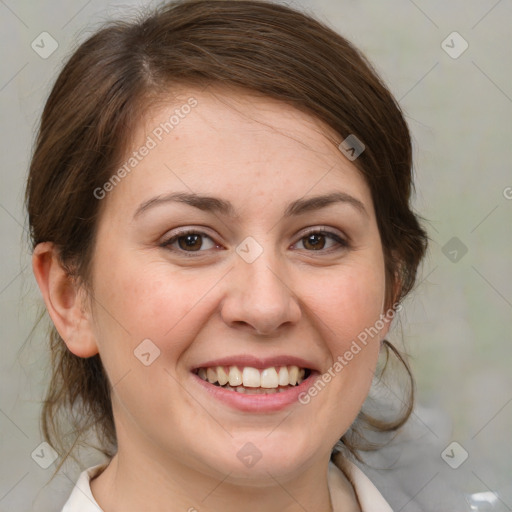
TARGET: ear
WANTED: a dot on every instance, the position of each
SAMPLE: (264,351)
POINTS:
(389,310)
(394,282)
(64,300)
(387,324)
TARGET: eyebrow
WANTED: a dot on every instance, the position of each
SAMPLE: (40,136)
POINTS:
(215,204)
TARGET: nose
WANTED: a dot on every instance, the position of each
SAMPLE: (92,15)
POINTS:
(259,297)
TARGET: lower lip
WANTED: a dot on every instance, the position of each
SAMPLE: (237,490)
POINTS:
(257,403)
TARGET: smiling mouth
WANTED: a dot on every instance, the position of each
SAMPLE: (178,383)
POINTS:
(252,381)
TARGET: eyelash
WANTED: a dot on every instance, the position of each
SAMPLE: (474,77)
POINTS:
(343,244)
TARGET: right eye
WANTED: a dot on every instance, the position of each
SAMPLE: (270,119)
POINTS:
(188,241)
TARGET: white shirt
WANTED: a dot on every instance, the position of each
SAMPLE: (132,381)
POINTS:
(370,499)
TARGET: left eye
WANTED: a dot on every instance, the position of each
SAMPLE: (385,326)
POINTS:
(316,240)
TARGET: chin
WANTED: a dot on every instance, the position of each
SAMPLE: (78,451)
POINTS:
(255,461)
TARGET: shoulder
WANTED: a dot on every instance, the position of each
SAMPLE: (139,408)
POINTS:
(370,499)
(81,498)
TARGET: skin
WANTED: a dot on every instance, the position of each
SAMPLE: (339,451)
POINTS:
(177,446)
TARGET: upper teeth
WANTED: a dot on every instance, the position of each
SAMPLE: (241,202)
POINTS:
(252,377)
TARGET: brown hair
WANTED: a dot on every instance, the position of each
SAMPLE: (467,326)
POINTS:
(101,93)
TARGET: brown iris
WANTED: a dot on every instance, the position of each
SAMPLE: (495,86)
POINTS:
(191,241)
(315,240)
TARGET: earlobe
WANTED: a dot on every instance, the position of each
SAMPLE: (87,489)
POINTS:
(385,328)
(65,301)
(384,322)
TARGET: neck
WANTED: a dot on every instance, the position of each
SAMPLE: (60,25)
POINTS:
(146,482)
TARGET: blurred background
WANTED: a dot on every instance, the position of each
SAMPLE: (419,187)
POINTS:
(449,66)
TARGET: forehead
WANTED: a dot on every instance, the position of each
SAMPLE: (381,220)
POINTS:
(235,142)
(234,114)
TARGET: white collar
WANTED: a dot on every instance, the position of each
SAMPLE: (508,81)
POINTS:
(81,498)
(370,499)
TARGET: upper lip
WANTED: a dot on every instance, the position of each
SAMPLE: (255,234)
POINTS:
(257,362)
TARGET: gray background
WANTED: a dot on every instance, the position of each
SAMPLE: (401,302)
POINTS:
(456,325)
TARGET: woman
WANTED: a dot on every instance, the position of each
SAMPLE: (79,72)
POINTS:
(219,206)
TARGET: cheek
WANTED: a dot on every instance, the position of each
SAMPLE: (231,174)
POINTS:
(149,301)
(348,302)
(349,307)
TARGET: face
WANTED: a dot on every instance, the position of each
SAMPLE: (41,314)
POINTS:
(258,277)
